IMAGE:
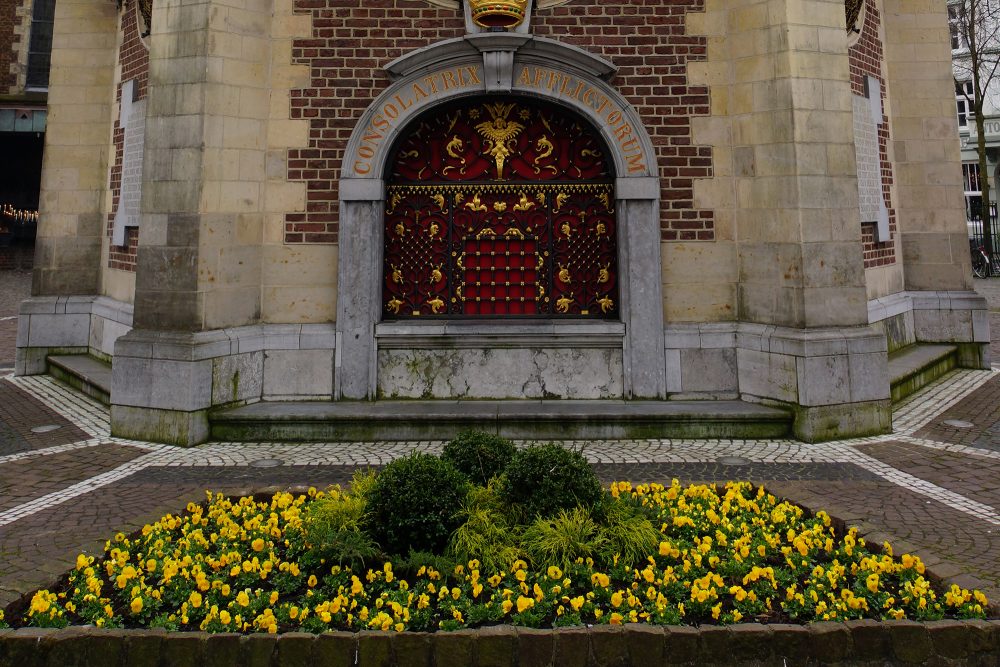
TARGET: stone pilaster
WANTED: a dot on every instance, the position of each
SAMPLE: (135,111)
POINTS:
(782,132)
(931,210)
(75,167)
(199,258)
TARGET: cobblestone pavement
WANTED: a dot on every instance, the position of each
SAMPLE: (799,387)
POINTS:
(15,286)
(929,487)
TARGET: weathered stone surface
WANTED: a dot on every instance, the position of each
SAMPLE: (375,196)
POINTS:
(501,373)
(295,649)
(374,649)
(871,639)
(257,650)
(790,643)
(682,644)
(750,641)
(829,642)
(572,647)
(412,649)
(142,647)
(715,644)
(222,649)
(183,649)
(496,646)
(645,643)
(910,641)
(609,647)
(335,649)
(455,648)
(534,647)
(26,647)
(950,638)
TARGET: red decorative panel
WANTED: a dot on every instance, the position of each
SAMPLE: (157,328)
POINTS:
(500,208)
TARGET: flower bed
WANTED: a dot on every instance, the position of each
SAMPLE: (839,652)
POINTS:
(721,556)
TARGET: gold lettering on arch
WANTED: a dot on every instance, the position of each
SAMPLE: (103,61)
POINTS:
(385,119)
(614,117)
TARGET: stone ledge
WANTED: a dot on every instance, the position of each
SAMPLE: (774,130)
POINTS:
(855,643)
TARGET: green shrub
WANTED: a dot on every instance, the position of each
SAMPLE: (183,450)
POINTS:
(480,456)
(362,482)
(414,504)
(561,540)
(547,478)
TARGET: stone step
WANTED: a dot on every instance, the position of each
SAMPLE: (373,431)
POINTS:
(89,375)
(322,421)
(916,366)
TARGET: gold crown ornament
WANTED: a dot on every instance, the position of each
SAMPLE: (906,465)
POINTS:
(498,13)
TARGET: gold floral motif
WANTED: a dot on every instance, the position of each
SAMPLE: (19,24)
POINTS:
(524,204)
(604,275)
(560,200)
(513,232)
(499,206)
(433,230)
(436,275)
(476,204)
(600,229)
(563,303)
(400,229)
(606,303)
(394,305)
(564,276)
(439,200)
(397,275)
(486,231)
(566,229)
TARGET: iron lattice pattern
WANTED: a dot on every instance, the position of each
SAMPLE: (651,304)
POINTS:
(502,209)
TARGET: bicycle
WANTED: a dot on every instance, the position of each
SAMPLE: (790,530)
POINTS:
(982,266)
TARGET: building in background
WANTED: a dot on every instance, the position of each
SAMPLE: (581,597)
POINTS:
(986,31)
(25,46)
(365,204)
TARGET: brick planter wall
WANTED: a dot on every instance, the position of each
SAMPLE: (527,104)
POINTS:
(854,643)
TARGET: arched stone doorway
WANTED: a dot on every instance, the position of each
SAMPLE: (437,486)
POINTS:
(619,354)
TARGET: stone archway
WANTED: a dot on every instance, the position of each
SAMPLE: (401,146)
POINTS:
(622,359)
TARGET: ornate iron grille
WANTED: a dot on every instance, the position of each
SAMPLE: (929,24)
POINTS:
(491,216)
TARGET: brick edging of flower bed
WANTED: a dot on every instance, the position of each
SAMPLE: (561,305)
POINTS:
(859,643)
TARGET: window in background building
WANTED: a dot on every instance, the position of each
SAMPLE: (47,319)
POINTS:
(963,99)
(40,46)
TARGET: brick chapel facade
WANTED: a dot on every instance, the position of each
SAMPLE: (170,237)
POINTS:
(384,200)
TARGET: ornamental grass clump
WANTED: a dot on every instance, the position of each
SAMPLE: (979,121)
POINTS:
(721,555)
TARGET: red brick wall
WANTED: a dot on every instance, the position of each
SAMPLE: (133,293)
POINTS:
(866,58)
(133,59)
(353,39)
(9,44)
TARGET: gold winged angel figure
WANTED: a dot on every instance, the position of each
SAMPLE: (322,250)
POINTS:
(498,133)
